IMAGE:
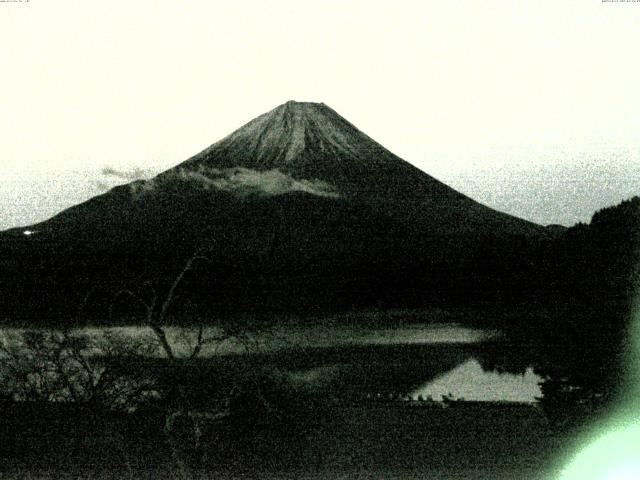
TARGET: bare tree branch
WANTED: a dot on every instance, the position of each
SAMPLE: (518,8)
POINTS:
(170,295)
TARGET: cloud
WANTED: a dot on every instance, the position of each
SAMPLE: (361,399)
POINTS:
(102,186)
(133,174)
(113,176)
(242,182)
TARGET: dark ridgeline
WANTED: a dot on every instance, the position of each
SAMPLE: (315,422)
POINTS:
(298,211)
(585,282)
(597,277)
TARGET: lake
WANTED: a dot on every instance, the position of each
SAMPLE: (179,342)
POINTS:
(414,361)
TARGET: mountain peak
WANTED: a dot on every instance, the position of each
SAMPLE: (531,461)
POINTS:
(297,104)
(310,141)
(294,110)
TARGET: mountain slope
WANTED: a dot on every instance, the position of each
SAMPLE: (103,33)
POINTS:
(296,148)
(298,208)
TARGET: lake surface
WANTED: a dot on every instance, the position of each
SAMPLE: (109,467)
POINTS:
(423,360)
(428,360)
(317,336)
(470,382)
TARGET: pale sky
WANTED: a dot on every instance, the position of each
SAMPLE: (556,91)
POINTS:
(531,107)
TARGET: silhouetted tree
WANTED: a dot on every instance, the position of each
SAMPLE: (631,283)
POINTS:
(52,365)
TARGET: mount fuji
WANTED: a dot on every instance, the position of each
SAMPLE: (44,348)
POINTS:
(297,210)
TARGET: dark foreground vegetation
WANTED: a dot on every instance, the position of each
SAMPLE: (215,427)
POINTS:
(317,441)
(109,407)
